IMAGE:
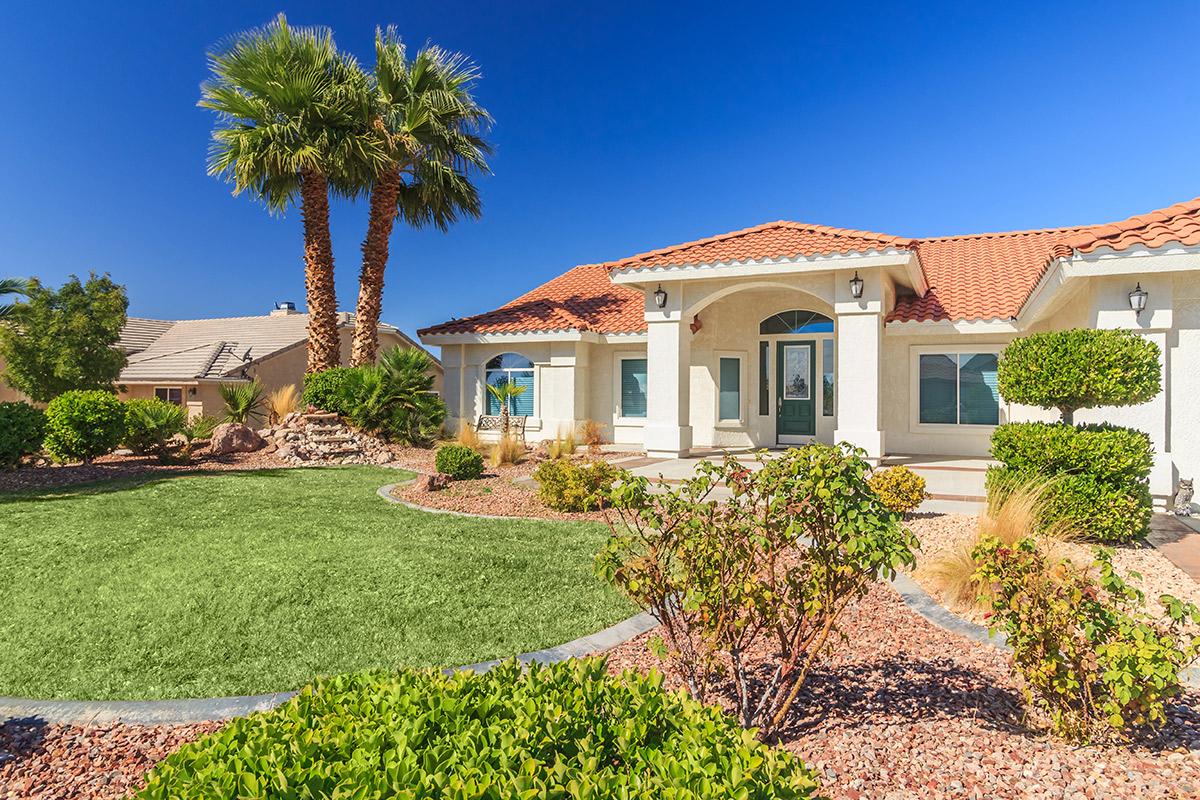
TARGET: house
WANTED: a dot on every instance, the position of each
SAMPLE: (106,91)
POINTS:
(185,361)
(789,332)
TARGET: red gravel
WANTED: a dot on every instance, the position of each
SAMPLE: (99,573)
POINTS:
(74,763)
(114,466)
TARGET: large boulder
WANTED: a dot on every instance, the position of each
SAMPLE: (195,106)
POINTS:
(233,437)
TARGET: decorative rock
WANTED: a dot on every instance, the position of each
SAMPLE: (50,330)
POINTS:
(321,438)
(233,437)
(435,483)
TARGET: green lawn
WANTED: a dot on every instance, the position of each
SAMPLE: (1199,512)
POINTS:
(241,583)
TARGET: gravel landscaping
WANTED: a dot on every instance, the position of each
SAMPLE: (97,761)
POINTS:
(114,466)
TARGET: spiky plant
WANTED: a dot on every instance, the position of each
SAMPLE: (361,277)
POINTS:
(281,402)
(243,401)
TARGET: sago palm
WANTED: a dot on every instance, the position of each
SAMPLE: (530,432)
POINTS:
(290,111)
(427,123)
(505,391)
(11,286)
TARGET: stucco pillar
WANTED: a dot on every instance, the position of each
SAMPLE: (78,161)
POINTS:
(668,430)
(859,338)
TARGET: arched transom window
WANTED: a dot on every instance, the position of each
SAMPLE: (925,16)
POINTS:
(796,321)
(518,370)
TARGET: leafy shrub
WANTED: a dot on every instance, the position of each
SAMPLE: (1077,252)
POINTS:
(769,570)
(899,488)
(21,429)
(568,730)
(566,485)
(243,401)
(323,390)
(151,424)
(81,425)
(281,402)
(1090,658)
(394,399)
(1080,368)
(459,462)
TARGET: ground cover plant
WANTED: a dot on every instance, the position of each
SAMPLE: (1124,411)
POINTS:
(81,425)
(21,429)
(1091,659)
(568,730)
(246,582)
(772,568)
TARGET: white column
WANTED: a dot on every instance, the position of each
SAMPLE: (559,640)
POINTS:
(859,337)
(668,431)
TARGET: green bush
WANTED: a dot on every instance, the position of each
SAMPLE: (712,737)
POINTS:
(394,399)
(564,731)
(459,462)
(151,425)
(323,390)
(565,485)
(1097,509)
(1090,658)
(82,425)
(899,488)
(1081,368)
(1110,453)
(21,430)
(768,570)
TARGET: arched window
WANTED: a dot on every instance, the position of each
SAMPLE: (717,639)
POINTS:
(516,369)
(796,321)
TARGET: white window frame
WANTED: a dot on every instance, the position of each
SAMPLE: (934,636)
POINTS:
(619,417)
(535,417)
(741,357)
(182,394)
(914,385)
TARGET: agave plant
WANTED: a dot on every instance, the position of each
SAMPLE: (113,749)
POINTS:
(243,401)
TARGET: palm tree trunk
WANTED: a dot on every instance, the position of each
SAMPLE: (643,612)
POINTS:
(324,350)
(374,263)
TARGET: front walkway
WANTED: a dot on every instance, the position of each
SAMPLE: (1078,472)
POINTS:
(1177,538)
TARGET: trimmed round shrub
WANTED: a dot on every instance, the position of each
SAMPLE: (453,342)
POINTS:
(1105,451)
(82,425)
(566,485)
(563,731)
(1099,510)
(459,462)
(21,429)
(1081,368)
(327,390)
(151,423)
(899,488)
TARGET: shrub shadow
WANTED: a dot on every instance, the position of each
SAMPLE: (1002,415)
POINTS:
(21,739)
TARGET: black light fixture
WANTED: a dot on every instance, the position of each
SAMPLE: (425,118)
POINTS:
(1137,299)
(660,297)
(856,286)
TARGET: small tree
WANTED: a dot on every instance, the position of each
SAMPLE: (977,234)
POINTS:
(65,339)
(505,391)
(1081,368)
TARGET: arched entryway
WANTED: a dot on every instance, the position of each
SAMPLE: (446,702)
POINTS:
(796,374)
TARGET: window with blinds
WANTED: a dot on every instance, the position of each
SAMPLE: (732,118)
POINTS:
(959,389)
(517,370)
(633,387)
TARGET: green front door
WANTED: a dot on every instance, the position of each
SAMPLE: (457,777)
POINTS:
(795,404)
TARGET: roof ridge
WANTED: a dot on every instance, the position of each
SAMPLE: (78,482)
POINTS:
(957,237)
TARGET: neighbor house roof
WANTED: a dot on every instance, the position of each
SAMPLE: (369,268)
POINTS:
(213,349)
(971,277)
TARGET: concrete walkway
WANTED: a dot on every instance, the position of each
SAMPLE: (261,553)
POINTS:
(1177,538)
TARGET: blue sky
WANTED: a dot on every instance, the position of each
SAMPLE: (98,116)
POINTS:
(619,128)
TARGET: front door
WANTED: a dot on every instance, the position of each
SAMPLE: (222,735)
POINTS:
(795,405)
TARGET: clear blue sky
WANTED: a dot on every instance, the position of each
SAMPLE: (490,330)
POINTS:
(619,128)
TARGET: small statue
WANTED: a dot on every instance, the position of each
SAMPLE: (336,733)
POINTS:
(1183,498)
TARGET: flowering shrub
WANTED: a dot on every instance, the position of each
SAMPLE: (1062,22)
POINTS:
(1090,658)
(899,488)
(768,570)
(565,485)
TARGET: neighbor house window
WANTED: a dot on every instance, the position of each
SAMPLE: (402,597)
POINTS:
(515,369)
(827,378)
(729,405)
(171,394)
(959,389)
(633,388)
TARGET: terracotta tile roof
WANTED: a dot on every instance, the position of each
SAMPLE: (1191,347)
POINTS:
(975,277)
(765,242)
(582,299)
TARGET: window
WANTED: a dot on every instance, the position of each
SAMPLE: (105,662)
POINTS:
(633,387)
(171,394)
(729,405)
(514,369)
(827,360)
(796,322)
(958,389)
(764,379)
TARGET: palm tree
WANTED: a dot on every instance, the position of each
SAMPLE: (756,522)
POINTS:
(11,286)
(289,123)
(427,122)
(505,391)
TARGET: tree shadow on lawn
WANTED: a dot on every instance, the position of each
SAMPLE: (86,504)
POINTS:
(21,739)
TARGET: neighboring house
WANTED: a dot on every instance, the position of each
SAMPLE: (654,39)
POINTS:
(185,361)
(788,332)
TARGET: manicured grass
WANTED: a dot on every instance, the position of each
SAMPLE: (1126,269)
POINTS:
(241,583)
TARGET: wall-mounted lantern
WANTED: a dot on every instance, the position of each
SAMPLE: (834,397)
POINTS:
(1137,299)
(660,297)
(856,286)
